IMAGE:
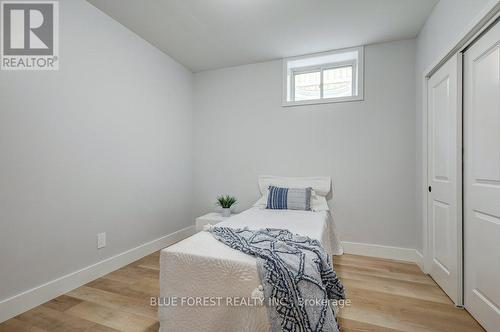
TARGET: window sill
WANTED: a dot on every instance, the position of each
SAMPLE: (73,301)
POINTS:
(321,101)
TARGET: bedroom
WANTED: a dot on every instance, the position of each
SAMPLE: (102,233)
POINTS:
(117,143)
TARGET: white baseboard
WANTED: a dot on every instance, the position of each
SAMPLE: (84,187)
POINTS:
(375,250)
(419,260)
(29,299)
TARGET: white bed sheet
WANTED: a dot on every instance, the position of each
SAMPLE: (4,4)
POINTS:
(200,267)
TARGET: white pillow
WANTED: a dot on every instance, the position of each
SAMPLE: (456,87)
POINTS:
(321,184)
(318,203)
(261,202)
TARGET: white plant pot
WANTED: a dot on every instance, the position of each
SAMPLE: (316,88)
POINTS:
(226,212)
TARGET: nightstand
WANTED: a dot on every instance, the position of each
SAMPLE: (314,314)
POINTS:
(209,218)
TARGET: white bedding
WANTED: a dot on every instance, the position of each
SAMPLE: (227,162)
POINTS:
(200,267)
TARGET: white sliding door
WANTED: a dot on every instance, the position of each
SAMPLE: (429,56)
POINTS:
(443,172)
(482,179)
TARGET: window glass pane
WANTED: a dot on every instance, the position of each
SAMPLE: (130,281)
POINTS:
(307,86)
(337,82)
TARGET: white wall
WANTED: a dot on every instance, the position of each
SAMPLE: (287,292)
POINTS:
(368,147)
(102,145)
(447,22)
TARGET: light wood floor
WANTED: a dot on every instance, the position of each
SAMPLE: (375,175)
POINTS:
(386,296)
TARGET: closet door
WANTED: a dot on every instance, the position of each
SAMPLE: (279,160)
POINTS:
(482,179)
(443,176)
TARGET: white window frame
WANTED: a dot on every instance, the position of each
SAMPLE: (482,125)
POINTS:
(320,69)
(357,75)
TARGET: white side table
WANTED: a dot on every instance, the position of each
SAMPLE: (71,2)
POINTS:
(209,218)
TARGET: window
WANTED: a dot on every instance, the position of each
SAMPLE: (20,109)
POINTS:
(307,86)
(323,78)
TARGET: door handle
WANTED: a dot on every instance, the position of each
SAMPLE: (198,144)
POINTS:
(430,189)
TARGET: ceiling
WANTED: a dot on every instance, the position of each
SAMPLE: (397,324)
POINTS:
(210,34)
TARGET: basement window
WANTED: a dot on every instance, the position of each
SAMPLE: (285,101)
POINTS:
(328,77)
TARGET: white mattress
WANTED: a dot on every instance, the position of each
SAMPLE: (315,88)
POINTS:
(200,267)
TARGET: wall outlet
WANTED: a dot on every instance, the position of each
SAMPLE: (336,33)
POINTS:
(101,240)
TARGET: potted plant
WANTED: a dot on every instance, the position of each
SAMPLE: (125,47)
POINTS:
(225,202)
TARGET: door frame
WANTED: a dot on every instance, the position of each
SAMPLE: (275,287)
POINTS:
(478,25)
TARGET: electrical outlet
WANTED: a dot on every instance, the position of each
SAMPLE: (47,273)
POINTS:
(101,240)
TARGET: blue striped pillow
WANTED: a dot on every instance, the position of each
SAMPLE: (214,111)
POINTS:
(289,198)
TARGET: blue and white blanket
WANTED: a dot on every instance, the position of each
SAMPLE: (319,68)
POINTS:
(297,277)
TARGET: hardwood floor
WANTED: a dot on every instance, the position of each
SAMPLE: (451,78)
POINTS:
(386,296)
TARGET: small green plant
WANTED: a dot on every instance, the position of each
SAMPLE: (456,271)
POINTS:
(226,201)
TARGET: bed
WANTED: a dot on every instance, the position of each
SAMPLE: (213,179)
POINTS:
(199,275)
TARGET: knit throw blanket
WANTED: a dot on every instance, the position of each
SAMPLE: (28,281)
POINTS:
(297,277)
